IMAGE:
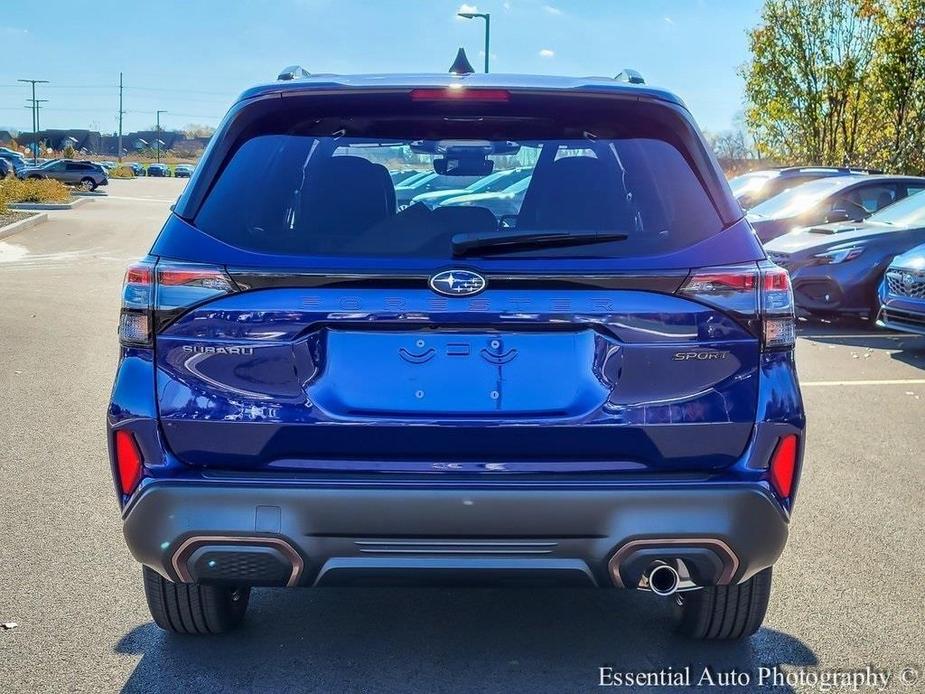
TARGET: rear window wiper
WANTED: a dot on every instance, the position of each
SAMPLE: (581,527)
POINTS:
(502,242)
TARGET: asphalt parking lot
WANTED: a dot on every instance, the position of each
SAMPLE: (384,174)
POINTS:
(849,591)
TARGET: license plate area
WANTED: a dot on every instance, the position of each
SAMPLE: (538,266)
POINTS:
(448,374)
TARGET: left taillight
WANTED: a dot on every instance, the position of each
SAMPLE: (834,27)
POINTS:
(137,303)
(156,293)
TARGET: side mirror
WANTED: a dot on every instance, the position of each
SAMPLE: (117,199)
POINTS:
(837,215)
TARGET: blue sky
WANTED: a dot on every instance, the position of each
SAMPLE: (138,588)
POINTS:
(192,57)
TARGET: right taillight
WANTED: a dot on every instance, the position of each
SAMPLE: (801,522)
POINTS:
(154,294)
(778,326)
(751,292)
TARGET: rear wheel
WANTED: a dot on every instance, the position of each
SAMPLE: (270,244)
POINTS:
(193,608)
(726,612)
(87,184)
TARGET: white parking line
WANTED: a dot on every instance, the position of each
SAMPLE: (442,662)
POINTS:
(868,336)
(124,197)
(882,382)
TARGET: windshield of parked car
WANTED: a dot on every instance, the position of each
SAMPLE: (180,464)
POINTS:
(495,182)
(802,198)
(909,212)
(322,187)
(750,182)
(471,198)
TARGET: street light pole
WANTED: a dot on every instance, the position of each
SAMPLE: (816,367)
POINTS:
(487,17)
(37,112)
(121,113)
(35,133)
(157,134)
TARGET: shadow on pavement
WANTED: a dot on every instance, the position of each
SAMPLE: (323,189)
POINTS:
(340,640)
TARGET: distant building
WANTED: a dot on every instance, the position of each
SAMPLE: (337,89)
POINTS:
(92,142)
(86,141)
(147,139)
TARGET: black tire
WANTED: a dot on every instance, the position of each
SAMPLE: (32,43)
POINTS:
(192,608)
(87,184)
(726,612)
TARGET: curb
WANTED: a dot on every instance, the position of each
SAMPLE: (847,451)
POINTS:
(90,193)
(22,225)
(30,206)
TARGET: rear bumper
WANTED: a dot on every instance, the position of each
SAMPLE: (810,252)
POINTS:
(284,534)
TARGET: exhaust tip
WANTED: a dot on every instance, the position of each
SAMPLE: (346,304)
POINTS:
(663,580)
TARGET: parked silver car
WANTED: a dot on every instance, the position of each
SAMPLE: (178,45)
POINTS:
(83,174)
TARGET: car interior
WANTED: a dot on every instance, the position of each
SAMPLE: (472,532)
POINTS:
(335,196)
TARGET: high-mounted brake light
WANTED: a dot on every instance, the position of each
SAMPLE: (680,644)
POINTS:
(751,292)
(459,92)
(154,294)
(129,464)
(784,465)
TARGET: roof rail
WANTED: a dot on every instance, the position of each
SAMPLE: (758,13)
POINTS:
(838,169)
(293,72)
(630,76)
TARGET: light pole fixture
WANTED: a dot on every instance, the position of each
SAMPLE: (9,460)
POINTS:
(157,130)
(35,117)
(487,18)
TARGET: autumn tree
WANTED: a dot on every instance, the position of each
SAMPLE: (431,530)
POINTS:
(899,78)
(806,97)
(839,82)
(197,130)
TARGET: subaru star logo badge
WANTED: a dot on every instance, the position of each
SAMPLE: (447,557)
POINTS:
(457,283)
(908,280)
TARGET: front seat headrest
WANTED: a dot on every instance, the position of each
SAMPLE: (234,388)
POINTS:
(348,194)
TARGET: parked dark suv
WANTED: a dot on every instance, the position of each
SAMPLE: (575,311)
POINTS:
(319,389)
(84,174)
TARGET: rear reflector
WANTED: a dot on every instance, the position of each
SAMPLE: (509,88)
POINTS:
(128,461)
(458,92)
(783,465)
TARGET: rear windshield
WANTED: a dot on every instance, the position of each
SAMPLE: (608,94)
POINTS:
(323,186)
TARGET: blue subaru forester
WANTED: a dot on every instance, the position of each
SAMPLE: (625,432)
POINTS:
(319,389)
